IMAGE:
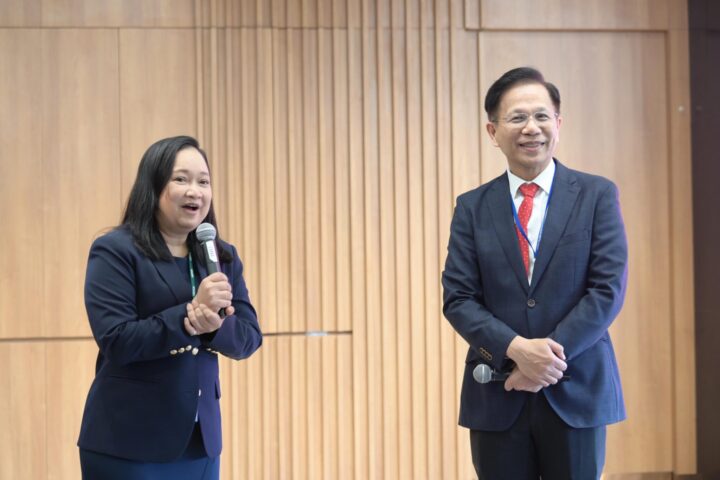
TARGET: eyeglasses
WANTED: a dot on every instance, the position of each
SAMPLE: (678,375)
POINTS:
(519,119)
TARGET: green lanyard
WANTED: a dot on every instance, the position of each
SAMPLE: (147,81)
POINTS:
(193,282)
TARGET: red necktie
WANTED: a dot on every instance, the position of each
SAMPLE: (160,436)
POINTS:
(528,190)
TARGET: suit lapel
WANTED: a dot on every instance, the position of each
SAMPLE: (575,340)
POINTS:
(174,279)
(502,218)
(564,195)
(200,265)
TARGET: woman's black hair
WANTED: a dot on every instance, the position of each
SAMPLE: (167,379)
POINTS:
(140,216)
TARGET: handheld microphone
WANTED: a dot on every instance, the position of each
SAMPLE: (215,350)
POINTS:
(206,234)
(483,373)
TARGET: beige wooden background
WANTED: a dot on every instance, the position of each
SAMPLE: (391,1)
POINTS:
(340,132)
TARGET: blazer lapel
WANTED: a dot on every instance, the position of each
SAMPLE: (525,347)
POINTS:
(502,217)
(172,276)
(201,269)
(565,191)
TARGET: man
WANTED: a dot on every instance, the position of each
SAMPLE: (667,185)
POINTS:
(535,274)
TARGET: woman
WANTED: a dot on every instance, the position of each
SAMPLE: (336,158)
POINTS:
(153,409)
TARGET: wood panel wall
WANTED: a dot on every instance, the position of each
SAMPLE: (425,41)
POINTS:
(339,134)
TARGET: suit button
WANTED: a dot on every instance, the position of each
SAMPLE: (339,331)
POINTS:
(531,303)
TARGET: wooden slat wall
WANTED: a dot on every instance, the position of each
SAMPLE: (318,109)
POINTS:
(339,134)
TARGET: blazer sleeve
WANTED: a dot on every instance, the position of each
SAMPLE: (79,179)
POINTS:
(239,336)
(606,280)
(463,297)
(111,303)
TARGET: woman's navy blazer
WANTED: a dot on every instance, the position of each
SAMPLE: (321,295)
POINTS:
(151,377)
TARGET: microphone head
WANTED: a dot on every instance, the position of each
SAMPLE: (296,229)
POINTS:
(205,232)
(482,373)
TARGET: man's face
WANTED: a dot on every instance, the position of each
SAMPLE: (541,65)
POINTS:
(526,129)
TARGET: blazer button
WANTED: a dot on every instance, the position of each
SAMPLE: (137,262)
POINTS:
(531,303)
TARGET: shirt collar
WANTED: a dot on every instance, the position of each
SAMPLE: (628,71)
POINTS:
(544,179)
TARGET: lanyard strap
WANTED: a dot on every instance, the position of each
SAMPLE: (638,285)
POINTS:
(193,282)
(542,225)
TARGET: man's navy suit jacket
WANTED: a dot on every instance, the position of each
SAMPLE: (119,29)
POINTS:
(577,290)
(148,385)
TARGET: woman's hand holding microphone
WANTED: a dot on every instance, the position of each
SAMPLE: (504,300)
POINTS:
(214,293)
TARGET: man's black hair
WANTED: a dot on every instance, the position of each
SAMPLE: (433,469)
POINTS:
(512,78)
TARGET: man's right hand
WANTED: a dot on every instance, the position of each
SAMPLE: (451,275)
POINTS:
(518,381)
(541,360)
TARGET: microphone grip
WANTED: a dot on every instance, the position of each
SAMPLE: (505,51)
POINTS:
(213,265)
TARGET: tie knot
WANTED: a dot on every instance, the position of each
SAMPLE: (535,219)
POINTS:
(529,189)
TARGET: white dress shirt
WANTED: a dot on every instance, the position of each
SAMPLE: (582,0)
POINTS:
(537,217)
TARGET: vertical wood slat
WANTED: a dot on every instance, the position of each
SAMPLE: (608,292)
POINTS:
(327,202)
(24,412)
(314,405)
(385,225)
(232,202)
(344,375)
(328,405)
(310,13)
(77,61)
(298,405)
(249,183)
(472,15)
(297,173)
(239,447)
(69,370)
(356,124)
(401,249)
(373,319)
(20,169)
(442,437)
(271,366)
(681,241)
(465,97)
(416,271)
(426,348)
(286,416)
(281,129)
(266,209)
(229,416)
(342,185)
(311,179)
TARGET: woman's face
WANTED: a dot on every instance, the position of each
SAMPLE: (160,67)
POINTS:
(185,200)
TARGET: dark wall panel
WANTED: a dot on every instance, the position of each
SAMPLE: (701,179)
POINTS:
(704,18)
